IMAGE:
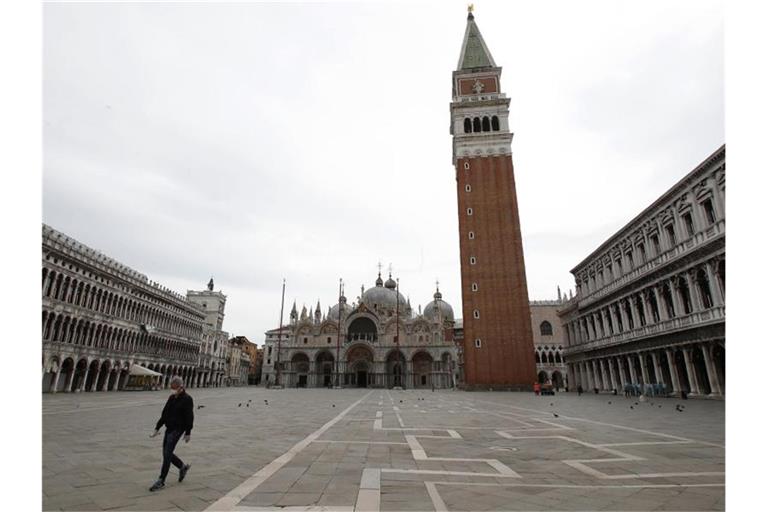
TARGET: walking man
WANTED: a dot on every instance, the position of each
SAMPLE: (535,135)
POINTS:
(177,417)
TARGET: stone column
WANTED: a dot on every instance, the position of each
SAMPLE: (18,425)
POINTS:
(644,369)
(624,317)
(116,384)
(714,286)
(697,304)
(714,380)
(81,385)
(677,300)
(55,382)
(604,374)
(622,375)
(634,309)
(596,373)
(673,370)
(657,370)
(689,367)
(632,372)
(584,371)
(95,379)
(612,312)
(106,381)
(70,378)
(612,370)
(660,303)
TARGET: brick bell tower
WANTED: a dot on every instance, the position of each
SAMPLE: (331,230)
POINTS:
(498,342)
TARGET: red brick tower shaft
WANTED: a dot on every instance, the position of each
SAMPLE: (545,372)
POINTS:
(498,342)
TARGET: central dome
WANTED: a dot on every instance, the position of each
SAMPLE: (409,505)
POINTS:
(383,297)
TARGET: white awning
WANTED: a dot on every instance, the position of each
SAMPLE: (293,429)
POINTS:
(140,370)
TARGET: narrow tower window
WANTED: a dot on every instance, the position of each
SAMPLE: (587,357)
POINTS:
(486,124)
(476,313)
(466,166)
(474,287)
(467,125)
(469,211)
(472,260)
(478,343)
(468,188)
(709,210)
(471,235)
(495,123)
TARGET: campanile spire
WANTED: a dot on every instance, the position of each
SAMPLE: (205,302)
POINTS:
(498,341)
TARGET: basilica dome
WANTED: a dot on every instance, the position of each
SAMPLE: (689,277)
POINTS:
(431,309)
(384,297)
(346,309)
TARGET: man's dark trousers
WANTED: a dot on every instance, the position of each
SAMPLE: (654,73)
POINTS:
(169,444)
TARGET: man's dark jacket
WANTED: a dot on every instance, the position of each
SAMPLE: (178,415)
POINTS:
(177,414)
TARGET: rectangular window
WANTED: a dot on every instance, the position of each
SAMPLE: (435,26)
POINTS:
(609,271)
(670,229)
(656,245)
(709,211)
(688,221)
(328,339)
(619,270)
(641,249)
(630,261)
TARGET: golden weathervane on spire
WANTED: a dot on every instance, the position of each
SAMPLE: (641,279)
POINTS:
(470,7)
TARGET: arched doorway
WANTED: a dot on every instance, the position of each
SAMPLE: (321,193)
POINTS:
(682,373)
(80,369)
(396,364)
(557,380)
(103,375)
(718,357)
(542,377)
(422,370)
(359,366)
(299,370)
(324,368)
(651,370)
(699,366)
(93,368)
(666,377)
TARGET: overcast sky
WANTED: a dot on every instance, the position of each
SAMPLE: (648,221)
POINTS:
(252,142)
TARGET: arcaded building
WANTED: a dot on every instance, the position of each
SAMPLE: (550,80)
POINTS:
(650,301)
(381,343)
(549,342)
(101,317)
(498,341)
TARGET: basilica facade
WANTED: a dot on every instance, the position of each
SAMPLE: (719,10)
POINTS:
(376,342)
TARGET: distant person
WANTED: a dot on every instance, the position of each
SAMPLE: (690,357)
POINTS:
(178,417)
(536,388)
(579,389)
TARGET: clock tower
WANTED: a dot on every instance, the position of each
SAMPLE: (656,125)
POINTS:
(498,341)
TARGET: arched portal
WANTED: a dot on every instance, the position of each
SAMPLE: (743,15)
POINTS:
(718,357)
(700,368)
(542,377)
(422,370)
(396,366)
(299,370)
(103,375)
(324,367)
(359,371)
(654,379)
(557,380)
(682,373)
(93,369)
(80,369)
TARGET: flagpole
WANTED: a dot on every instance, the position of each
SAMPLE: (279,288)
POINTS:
(338,337)
(397,331)
(280,336)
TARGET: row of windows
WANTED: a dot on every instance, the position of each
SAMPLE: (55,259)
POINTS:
(89,276)
(675,298)
(477,125)
(548,357)
(58,286)
(638,255)
(66,329)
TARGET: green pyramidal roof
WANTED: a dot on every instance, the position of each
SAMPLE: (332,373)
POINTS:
(474,53)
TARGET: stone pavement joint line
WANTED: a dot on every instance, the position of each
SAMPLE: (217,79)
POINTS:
(236,495)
